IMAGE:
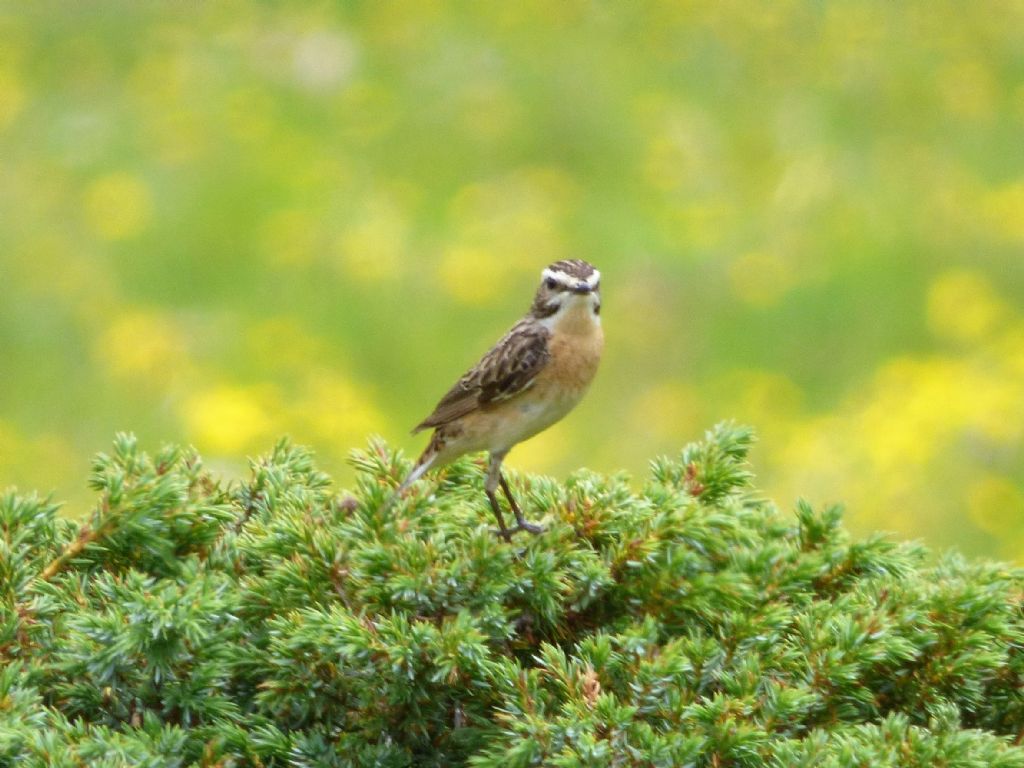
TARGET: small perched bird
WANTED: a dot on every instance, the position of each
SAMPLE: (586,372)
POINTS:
(530,379)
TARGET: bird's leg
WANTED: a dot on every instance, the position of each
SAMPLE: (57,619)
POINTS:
(502,531)
(520,520)
(490,486)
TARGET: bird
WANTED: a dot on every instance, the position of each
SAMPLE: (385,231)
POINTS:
(531,378)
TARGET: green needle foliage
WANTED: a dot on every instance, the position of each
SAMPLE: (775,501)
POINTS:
(277,622)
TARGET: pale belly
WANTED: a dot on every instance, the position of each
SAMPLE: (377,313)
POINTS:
(546,402)
(528,418)
(499,429)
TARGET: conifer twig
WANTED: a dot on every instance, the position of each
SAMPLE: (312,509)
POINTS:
(86,536)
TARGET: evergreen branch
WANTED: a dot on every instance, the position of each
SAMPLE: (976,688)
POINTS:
(276,623)
(85,537)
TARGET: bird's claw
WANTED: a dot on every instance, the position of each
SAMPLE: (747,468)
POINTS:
(533,528)
(506,533)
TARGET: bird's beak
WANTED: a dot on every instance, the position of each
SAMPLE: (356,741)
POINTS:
(582,288)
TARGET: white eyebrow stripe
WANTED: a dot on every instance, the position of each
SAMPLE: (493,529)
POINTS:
(566,279)
(559,275)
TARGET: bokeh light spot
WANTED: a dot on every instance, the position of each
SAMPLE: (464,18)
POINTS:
(282,342)
(143,345)
(228,419)
(336,410)
(12,97)
(373,248)
(1004,207)
(323,60)
(666,410)
(472,275)
(541,452)
(118,206)
(963,307)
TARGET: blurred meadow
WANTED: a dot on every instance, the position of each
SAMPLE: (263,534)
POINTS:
(222,222)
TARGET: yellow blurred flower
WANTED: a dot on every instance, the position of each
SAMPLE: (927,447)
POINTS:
(542,452)
(512,222)
(898,426)
(699,225)
(283,343)
(917,406)
(1004,209)
(336,410)
(996,402)
(666,411)
(1008,348)
(229,419)
(36,463)
(53,265)
(963,307)
(682,148)
(882,452)
(373,247)
(766,397)
(163,78)
(10,444)
(473,275)
(12,97)
(808,179)
(118,206)
(143,345)
(668,164)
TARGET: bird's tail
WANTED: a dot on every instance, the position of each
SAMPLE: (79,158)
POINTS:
(426,461)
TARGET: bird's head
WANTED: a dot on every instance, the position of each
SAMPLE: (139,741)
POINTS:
(567,285)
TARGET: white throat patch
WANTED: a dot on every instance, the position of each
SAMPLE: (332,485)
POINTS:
(580,307)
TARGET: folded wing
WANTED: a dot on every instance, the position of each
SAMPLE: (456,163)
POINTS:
(507,370)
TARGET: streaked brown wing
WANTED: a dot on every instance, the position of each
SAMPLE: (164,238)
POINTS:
(506,370)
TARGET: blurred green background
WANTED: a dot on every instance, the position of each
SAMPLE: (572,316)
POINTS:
(225,221)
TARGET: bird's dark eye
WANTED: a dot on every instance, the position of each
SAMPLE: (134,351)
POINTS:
(551,283)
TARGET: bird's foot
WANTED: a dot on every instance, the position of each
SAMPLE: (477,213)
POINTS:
(503,533)
(506,533)
(534,528)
